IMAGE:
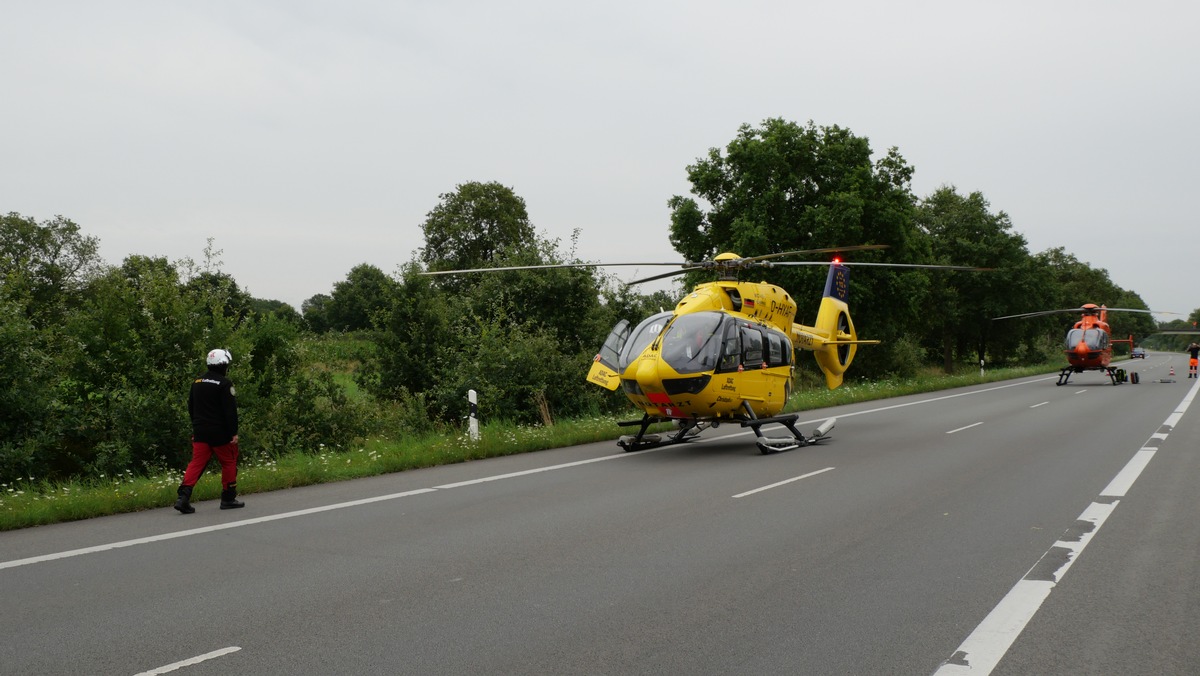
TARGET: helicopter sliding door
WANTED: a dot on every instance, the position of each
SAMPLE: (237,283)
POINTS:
(754,365)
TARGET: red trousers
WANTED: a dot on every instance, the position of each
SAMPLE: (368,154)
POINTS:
(201,453)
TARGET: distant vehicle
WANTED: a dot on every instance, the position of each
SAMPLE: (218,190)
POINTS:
(1138,353)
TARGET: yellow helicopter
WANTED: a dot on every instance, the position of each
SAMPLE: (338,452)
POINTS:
(726,352)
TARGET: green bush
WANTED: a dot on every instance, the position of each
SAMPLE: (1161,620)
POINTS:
(906,357)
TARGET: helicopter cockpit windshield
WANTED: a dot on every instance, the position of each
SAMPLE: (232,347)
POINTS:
(642,335)
(692,342)
(1095,339)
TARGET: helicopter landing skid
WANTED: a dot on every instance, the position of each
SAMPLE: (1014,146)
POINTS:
(1116,375)
(768,445)
(642,441)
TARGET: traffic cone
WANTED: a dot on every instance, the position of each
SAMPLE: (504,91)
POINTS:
(1172,370)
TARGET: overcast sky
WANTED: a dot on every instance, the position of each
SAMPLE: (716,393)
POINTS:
(308,137)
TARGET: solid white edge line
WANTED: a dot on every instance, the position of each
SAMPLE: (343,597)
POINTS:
(538,470)
(965,428)
(1124,479)
(206,529)
(781,483)
(190,662)
(287,515)
(248,522)
(987,645)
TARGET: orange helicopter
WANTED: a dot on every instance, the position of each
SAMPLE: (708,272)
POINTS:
(1089,344)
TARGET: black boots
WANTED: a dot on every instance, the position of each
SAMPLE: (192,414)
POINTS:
(184,503)
(229,498)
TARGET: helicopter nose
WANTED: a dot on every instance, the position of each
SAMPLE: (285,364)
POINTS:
(1081,349)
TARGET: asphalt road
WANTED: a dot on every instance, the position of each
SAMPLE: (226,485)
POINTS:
(1011,528)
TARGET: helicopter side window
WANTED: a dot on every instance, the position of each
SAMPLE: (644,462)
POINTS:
(731,348)
(776,354)
(752,347)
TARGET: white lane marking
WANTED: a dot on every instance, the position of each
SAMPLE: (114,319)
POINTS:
(1041,404)
(1080,391)
(1173,420)
(190,662)
(248,522)
(1124,479)
(205,529)
(538,470)
(887,408)
(781,483)
(987,645)
(303,512)
(965,428)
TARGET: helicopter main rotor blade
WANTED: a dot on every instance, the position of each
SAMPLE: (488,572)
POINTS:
(1080,310)
(836,249)
(542,267)
(1041,313)
(889,265)
(663,275)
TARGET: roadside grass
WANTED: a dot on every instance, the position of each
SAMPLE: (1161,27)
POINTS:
(29,501)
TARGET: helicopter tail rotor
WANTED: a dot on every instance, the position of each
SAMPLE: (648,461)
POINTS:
(833,340)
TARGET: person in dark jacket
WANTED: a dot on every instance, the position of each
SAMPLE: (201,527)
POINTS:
(212,404)
(1194,350)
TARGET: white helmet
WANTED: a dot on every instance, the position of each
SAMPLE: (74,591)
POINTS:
(219,356)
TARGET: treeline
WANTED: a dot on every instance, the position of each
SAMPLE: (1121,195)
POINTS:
(96,358)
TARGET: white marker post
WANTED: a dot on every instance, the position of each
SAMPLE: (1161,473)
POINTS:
(980,368)
(473,425)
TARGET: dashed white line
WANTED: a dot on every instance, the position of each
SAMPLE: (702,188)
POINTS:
(190,662)
(965,428)
(1041,404)
(781,483)
(931,400)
